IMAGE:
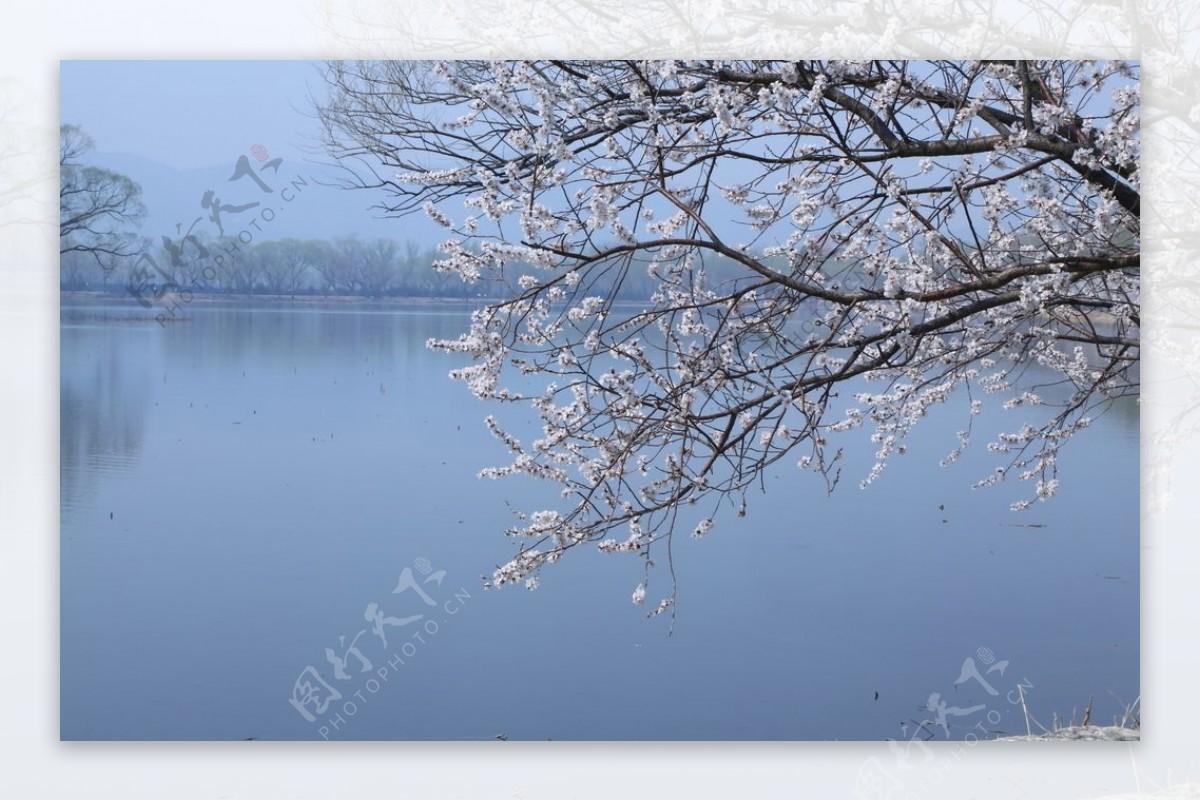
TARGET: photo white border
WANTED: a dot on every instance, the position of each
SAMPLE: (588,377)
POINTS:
(1162,34)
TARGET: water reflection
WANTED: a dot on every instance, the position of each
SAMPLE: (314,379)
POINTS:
(104,379)
(271,472)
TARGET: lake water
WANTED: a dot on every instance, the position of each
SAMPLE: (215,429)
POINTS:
(237,489)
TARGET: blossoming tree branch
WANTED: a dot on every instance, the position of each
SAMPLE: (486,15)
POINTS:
(828,246)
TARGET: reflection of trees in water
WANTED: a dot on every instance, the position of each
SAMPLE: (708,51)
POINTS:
(104,393)
(284,338)
(107,372)
(1129,412)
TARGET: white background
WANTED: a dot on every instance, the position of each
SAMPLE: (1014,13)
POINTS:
(35,764)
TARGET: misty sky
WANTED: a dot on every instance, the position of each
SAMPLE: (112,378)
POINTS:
(204,116)
(192,113)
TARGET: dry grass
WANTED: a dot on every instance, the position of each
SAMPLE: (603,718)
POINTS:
(1126,726)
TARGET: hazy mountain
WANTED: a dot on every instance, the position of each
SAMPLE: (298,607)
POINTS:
(317,209)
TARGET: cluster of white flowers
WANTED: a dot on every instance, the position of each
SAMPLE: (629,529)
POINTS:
(520,568)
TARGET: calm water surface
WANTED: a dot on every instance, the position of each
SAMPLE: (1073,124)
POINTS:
(239,488)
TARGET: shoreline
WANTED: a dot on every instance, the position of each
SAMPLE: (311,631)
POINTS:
(88,296)
(1106,733)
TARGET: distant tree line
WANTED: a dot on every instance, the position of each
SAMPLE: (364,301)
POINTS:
(346,266)
(294,267)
